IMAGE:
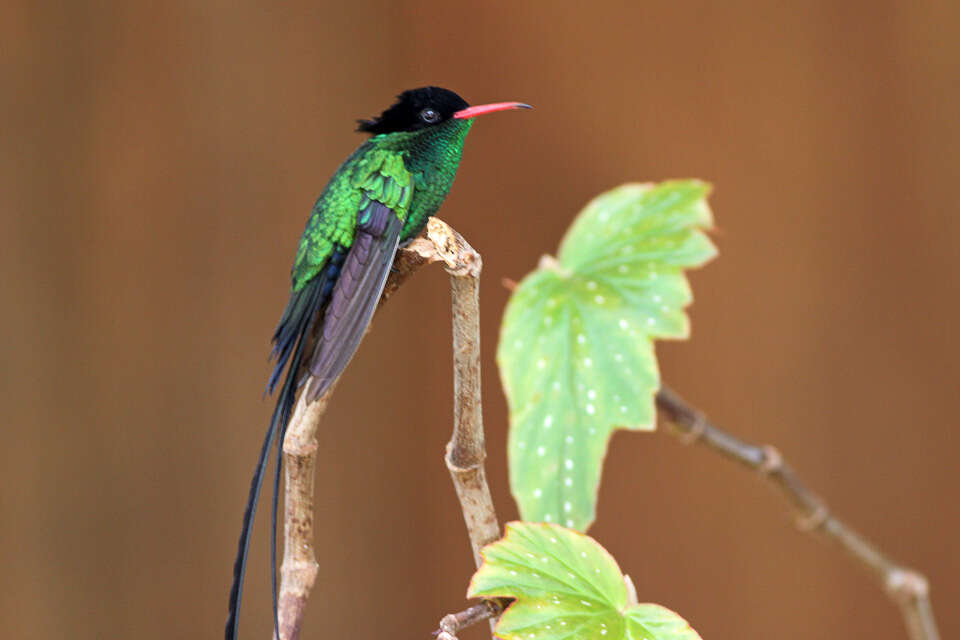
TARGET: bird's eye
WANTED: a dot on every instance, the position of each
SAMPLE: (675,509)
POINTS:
(429,116)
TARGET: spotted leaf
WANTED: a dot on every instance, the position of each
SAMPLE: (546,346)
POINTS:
(576,346)
(567,587)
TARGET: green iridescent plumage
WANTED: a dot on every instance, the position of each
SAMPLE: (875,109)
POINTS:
(409,172)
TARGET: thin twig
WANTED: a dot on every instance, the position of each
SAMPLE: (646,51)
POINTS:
(465,451)
(454,622)
(906,587)
(298,573)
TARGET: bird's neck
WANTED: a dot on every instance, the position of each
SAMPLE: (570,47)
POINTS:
(432,156)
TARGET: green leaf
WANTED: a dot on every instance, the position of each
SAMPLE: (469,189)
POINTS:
(576,352)
(567,587)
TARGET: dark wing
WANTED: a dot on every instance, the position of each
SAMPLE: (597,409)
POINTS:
(356,293)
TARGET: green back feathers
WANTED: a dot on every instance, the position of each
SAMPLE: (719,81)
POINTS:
(409,172)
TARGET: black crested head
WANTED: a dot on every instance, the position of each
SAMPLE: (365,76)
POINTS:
(416,109)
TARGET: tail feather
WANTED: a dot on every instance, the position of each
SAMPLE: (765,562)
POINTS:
(240,564)
(291,335)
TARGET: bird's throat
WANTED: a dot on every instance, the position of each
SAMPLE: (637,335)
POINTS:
(432,157)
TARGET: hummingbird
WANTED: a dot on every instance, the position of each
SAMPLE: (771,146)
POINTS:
(378,200)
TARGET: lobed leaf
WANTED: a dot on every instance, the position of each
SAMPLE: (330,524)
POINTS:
(576,353)
(567,587)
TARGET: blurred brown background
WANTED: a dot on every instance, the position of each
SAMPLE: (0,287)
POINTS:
(159,161)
